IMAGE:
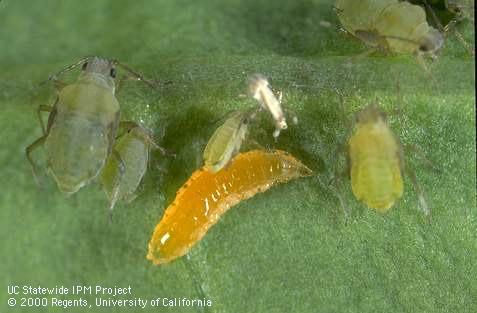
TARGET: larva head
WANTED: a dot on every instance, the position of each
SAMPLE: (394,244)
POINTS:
(370,114)
(256,83)
(292,166)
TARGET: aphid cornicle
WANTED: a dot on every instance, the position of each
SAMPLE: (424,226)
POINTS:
(226,141)
(445,14)
(120,181)
(201,201)
(392,25)
(82,124)
(376,161)
(260,90)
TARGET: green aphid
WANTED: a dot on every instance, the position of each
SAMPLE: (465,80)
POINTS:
(122,175)
(390,25)
(82,124)
(226,141)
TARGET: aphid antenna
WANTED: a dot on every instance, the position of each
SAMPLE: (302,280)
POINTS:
(222,117)
(422,63)
(418,150)
(66,69)
(420,193)
(138,76)
(434,16)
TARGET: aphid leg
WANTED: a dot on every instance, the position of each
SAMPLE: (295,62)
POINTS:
(145,136)
(276,134)
(417,187)
(452,27)
(336,10)
(338,191)
(280,96)
(422,63)
(416,149)
(448,27)
(59,84)
(138,77)
(293,115)
(255,143)
(37,143)
(122,80)
(223,117)
(130,197)
(43,108)
(362,55)
(420,193)
(116,184)
(335,183)
(466,45)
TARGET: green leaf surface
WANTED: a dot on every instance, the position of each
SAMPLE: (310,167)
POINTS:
(286,250)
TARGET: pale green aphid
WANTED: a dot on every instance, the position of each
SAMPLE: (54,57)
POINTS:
(121,176)
(391,25)
(82,124)
(226,141)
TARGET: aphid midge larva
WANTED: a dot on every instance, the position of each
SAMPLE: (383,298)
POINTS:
(206,196)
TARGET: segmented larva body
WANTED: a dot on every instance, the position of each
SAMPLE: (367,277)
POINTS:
(401,26)
(201,201)
(376,161)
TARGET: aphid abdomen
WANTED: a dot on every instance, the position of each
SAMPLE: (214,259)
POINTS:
(90,97)
(376,182)
(375,165)
(224,142)
(134,153)
(76,150)
(206,196)
(360,15)
(403,25)
(80,138)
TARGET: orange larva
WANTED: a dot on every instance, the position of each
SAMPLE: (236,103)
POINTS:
(201,201)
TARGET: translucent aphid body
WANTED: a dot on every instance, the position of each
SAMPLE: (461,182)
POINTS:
(260,90)
(81,126)
(120,181)
(396,26)
(375,156)
(206,196)
(226,141)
